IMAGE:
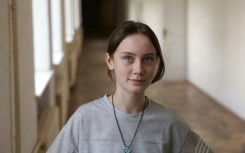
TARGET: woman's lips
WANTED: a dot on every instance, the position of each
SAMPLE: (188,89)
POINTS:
(138,81)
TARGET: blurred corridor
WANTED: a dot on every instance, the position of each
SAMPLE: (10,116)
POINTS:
(52,61)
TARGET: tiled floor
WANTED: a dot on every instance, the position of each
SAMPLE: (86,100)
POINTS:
(222,130)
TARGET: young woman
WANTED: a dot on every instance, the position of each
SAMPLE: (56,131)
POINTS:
(127,121)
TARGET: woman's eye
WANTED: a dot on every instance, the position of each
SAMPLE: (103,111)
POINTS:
(128,58)
(148,59)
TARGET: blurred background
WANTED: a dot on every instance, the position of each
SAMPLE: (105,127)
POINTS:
(52,61)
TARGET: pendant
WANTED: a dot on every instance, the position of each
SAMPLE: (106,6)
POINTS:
(127,150)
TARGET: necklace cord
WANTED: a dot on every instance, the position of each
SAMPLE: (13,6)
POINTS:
(137,125)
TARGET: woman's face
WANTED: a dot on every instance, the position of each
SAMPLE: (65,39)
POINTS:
(134,63)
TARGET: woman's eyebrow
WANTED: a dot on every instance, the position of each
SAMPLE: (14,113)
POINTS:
(125,52)
(130,53)
(150,54)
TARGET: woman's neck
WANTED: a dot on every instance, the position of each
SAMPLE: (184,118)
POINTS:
(129,102)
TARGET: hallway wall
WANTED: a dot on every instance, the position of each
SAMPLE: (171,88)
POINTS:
(6,143)
(139,10)
(167,18)
(17,101)
(25,126)
(174,41)
(211,57)
(216,50)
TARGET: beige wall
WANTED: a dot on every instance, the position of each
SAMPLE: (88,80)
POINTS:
(27,102)
(18,111)
(149,12)
(174,41)
(216,50)
(5,85)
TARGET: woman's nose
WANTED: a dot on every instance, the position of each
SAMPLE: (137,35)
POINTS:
(138,68)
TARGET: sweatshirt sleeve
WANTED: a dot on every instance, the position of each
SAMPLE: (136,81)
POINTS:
(183,139)
(67,140)
(194,144)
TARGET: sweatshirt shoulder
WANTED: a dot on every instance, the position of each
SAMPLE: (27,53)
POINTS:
(92,108)
(169,115)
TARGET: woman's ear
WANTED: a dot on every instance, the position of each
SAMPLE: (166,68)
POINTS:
(109,61)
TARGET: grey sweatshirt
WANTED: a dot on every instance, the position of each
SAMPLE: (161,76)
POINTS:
(93,129)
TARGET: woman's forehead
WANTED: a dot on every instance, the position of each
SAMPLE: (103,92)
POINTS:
(136,43)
